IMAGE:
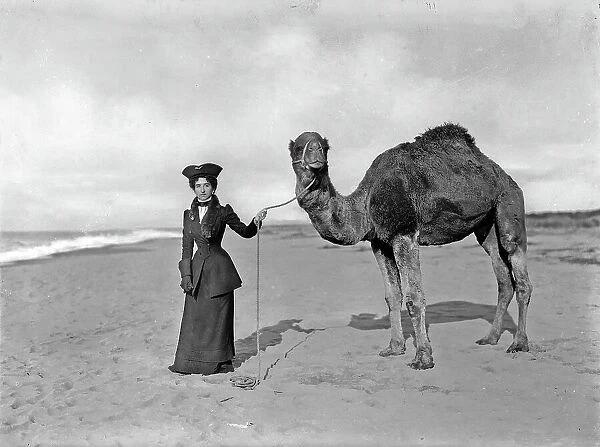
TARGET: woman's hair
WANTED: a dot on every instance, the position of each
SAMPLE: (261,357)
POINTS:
(209,178)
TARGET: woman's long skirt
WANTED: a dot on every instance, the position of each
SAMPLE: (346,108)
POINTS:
(206,335)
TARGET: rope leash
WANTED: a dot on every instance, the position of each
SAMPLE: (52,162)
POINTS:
(249,382)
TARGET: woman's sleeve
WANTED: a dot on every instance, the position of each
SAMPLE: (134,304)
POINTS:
(187,247)
(234,222)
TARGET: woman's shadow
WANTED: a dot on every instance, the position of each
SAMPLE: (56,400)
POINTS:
(245,348)
(444,312)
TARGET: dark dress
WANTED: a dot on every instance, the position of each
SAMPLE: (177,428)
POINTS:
(206,343)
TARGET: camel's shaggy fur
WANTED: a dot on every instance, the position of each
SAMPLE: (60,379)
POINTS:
(447,131)
(435,190)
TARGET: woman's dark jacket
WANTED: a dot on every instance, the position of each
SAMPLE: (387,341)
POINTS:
(211,264)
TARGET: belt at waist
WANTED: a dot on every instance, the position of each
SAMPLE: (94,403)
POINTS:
(206,249)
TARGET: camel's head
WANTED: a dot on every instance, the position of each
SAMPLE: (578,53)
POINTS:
(309,152)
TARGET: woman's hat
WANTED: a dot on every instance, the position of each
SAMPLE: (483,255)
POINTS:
(195,171)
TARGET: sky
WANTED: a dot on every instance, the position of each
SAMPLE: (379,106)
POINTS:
(103,103)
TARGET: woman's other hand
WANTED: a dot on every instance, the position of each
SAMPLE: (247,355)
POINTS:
(260,217)
(186,284)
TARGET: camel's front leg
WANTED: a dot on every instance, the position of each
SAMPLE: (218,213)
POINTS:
(406,253)
(393,296)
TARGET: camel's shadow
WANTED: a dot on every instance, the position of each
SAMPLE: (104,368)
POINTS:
(444,312)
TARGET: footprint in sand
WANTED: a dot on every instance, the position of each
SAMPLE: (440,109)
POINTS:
(12,423)
(40,395)
(63,385)
(149,402)
(488,368)
(433,389)
(16,404)
(373,403)
(178,399)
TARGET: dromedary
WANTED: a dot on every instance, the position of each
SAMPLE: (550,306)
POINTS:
(433,191)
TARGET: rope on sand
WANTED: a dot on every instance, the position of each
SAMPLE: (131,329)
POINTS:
(249,382)
(245,382)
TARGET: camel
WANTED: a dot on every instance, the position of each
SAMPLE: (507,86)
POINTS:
(435,190)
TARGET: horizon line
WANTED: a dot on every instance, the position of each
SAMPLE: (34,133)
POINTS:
(278,222)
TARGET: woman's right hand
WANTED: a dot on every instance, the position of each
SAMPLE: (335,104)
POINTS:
(260,217)
(186,284)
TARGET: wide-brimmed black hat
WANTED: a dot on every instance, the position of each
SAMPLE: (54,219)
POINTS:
(196,171)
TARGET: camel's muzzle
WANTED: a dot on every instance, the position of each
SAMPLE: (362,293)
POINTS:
(313,156)
(316,165)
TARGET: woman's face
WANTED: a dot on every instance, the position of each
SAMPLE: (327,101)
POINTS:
(203,189)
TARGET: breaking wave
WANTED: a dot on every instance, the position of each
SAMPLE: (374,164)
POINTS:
(42,249)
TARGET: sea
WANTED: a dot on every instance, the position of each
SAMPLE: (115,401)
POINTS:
(577,239)
(18,246)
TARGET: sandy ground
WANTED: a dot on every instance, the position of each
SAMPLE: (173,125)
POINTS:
(87,338)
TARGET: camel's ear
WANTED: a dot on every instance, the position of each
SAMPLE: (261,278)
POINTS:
(291,145)
(325,145)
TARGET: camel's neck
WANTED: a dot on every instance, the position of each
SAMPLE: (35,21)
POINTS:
(339,219)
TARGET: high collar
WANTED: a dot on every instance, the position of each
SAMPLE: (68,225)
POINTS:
(214,201)
(213,204)
(204,203)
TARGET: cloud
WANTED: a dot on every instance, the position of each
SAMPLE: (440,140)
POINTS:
(105,103)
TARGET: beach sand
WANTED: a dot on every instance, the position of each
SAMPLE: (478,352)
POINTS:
(87,338)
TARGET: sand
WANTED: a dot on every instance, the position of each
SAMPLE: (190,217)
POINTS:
(87,338)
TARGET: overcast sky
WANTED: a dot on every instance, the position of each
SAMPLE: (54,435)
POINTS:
(103,103)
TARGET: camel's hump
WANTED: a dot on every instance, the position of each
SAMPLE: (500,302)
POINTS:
(447,131)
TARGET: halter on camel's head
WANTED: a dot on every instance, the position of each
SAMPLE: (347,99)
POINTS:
(310,151)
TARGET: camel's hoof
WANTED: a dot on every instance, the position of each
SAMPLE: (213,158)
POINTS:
(423,360)
(518,345)
(392,350)
(487,340)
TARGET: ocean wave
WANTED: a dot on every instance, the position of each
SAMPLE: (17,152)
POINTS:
(81,243)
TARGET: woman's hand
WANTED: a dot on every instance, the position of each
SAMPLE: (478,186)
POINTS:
(186,284)
(260,217)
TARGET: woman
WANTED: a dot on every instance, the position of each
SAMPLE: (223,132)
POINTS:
(208,278)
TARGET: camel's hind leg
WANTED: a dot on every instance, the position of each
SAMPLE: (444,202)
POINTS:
(393,296)
(488,239)
(510,221)
(406,253)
